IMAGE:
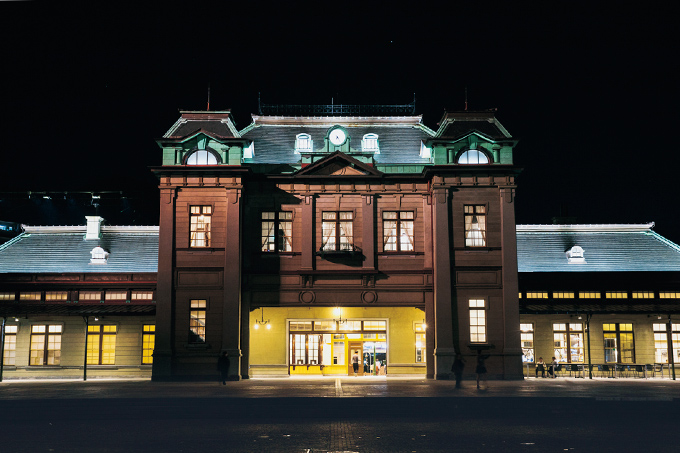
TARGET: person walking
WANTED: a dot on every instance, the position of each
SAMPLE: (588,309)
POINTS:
(355,362)
(481,366)
(457,369)
(223,367)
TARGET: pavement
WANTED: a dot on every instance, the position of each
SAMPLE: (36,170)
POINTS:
(332,415)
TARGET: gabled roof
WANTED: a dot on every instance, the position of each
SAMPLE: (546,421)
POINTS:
(399,137)
(216,124)
(338,164)
(64,250)
(456,125)
(607,248)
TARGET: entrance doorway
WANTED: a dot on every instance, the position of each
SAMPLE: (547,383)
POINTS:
(355,349)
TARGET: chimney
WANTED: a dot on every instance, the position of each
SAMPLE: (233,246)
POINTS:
(93,227)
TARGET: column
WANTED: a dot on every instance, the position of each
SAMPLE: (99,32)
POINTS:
(308,236)
(368,231)
(231,309)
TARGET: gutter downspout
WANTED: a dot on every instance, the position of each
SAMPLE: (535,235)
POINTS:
(590,366)
(87,328)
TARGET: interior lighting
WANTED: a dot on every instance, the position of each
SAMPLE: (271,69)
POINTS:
(338,313)
(261,321)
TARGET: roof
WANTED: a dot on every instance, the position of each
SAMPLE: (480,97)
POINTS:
(217,124)
(399,137)
(455,125)
(63,249)
(607,248)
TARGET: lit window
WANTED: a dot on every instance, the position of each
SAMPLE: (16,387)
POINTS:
(527,337)
(201,157)
(303,143)
(398,231)
(9,354)
(148,343)
(568,342)
(669,295)
(7,296)
(339,353)
(473,156)
(56,295)
(325,325)
(519,295)
(30,296)
(99,256)
(301,326)
(337,231)
(643,295)
(369,144)
(588,295)
(277,231)
(475,226)
(45,345)
(116,295)
(90,295)
(305,349)
(375,325)
(101,345)
(200,226)
(537,295)
(563,295)
(197,321)
(477,320)
(575,255)
(616,295)
(421,356)
(619,346)
(142,295)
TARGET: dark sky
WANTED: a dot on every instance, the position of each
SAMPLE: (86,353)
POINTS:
(590,91)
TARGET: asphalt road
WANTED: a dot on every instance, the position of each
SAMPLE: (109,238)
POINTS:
(338,416)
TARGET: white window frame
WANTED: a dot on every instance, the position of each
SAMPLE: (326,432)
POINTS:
(370,144)
(306,140)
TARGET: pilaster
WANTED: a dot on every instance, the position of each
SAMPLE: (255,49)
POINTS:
(231,310)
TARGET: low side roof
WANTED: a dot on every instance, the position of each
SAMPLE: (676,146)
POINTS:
(607,248)
(65,250)
(399,137)
(216,124)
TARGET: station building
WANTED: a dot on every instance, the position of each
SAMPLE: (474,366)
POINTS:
(307,238)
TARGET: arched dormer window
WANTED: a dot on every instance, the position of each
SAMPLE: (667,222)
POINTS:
(99,256)
(303,143)
(369,144)
(473,157)
(575,255)
(201,157)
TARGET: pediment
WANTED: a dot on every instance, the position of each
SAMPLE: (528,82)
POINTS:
(338,164)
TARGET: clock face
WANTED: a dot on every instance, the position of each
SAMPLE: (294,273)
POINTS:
(337,136)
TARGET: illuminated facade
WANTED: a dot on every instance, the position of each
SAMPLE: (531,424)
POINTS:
(301,241)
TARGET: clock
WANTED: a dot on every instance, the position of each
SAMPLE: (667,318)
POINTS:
(337,137)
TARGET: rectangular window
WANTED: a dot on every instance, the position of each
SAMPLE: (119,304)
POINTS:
(619,345)
(56,295)
(301,326)
(305,349)
(90,295)
(116,295)
(375,325)
(200,226)
(197,321)
(477,320)
(148,343)
(101,345)
(568,342)
(475,226)
(588,295)
(34,295)
(536,295)
(420,342)
(277,231)
(337,231)
(643,295)
(324,325)
(661,342)
(9,354)
(142,295)
(669,295)
(616,295)
(527,336)
(398,231)
(563,295)
(45,345)
(338,353)
(7,296)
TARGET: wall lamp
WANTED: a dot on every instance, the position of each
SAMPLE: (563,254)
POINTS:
(261,321)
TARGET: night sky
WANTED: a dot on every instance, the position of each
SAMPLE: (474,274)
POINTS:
(590,92)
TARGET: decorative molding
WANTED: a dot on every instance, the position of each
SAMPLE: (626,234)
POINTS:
(307,297)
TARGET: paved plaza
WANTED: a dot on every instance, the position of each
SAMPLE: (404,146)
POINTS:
(348,414)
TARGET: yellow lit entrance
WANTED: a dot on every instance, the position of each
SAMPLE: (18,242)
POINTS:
(326,347)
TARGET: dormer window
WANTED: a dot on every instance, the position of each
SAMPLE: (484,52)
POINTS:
(201,157)
(575,255)
(473,157)
(303,143)
(99,256)
(369,144)
(249,151)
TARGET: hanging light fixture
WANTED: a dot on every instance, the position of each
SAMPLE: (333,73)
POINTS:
(261,321)
(338,312)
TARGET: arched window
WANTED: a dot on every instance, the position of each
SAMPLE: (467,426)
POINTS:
(473,157)
(369,144)
(201,157)
(303,143)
